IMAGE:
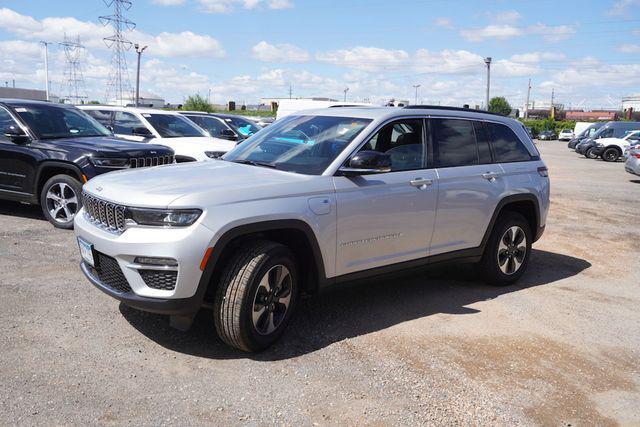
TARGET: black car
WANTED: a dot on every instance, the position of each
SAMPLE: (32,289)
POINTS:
(587,133)
(47,151)
(225,126)
(547,135)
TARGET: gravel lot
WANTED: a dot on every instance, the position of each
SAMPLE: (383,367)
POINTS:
(560,347)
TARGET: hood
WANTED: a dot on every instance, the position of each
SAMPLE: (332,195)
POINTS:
(201,184)
(204,143)
(104,145)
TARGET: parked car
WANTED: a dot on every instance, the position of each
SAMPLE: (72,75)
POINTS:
(47,151)
(608,130)
(264,121)
(565,135)
(632,165)
(226,126)
(317,198)
(611,149)
(586,133)
(169,128)
(547,135)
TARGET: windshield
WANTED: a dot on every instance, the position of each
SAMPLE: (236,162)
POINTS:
(243,126)
(53,122)
(173,126)
(302,144)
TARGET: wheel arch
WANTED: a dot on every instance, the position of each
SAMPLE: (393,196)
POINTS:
(525,204)
(296,234)
(48,169)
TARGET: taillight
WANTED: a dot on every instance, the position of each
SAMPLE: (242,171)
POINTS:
(636,155)
(543,171)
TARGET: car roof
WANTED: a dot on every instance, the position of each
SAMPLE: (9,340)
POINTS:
(121,108)
(24,102)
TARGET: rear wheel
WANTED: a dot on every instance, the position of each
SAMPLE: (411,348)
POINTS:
(506,255)
(611,154)
(256,296)
(60,200)
(590,154)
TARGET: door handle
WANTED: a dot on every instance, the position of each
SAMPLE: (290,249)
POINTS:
(490,176)
(421,182)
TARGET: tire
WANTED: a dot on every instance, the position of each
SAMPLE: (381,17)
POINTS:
(60,200)
(495,268)
(611,155)
(241,288)
(590,154)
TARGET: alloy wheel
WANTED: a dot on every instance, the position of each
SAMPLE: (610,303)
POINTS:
(62,202)
(512,250)
(272,299)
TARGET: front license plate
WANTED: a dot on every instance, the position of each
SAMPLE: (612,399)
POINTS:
(86,250)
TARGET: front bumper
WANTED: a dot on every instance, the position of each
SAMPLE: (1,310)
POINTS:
(185,245)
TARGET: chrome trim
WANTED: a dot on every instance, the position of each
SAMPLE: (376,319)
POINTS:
(153,267)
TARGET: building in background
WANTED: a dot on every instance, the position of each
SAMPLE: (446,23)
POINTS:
(631,101)
(589,116)
(19,93)
(147,100)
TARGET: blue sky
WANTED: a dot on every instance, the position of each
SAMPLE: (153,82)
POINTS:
(242,50)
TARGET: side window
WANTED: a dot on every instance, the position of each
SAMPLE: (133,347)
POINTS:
(606,133)
(484,150)
(124,123)
(402,141)
(5,121)
(634,136)
(507,147)
(454,143)
(102,116)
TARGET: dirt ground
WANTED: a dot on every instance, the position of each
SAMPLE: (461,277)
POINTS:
(437,347)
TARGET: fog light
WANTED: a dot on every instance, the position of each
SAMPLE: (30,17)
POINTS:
(169,262)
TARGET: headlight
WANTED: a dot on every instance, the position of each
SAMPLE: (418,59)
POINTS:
(109,163)
(163,217)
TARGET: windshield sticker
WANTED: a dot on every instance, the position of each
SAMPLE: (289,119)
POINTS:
(146,115)
(74,130)
(21,110)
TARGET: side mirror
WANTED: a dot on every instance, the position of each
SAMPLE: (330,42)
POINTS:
(15,134)
(367,162)
(228,134)
(142,131)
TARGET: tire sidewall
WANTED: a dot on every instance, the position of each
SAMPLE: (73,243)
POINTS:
(70,181)
(606,159)
(278,255)
(490,262)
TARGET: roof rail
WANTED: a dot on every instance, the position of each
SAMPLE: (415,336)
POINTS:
(439,107)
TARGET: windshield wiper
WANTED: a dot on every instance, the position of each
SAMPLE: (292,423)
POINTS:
(254,163)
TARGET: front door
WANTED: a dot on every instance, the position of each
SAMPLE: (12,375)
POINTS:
(17,164)
(387,218)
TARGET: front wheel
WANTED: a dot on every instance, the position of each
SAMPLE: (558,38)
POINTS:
(256,296)
(507,252)
(60,200)
(610,155)
(590,154)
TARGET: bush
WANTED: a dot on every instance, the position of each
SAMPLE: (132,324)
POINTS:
(197,103)
(499,105)
(538,126)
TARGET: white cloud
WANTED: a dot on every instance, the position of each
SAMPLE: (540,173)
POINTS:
(185,44)
(169,2)
(227,6)
(533,57)
(285,52)
(552,33)
(366,58)
(443,23)
(447,62)
(508,16)
(503,31)
(620,7)
(629,48)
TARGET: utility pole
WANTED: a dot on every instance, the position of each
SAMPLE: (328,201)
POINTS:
(139,52)
(46,67)
(345,94)
(290,91)
(552,96)
(487,61)
(526,106)
(416,88)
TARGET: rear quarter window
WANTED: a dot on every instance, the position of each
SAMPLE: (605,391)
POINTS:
(507,147)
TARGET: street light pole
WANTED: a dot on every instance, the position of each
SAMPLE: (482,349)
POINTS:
(345,94)
(139,52)
(46,68)
(416,88)
(487,61)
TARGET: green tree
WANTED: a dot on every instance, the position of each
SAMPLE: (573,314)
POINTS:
(197,103)
(499,105)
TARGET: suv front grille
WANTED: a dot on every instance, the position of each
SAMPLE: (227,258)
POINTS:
(156,279)
(110,274)
(143,162)
(106,214)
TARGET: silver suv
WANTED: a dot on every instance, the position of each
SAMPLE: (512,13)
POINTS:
(317,198)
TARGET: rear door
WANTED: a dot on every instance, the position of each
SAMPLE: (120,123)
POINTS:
(387,218)
(17,162)
(469,185)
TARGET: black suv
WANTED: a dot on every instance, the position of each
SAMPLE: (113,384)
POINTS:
(47,151)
